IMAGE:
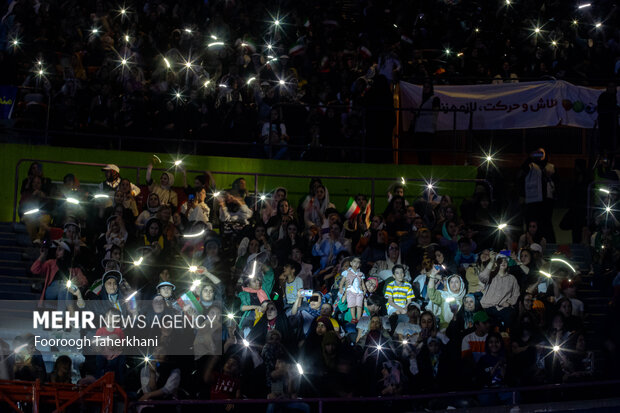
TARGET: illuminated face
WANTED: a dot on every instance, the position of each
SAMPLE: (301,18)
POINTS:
(381,237)
(426,321)
(503,264)
(484,255)
(153,201)
(427,264)
(60,253)
(119,197)
(566,308)
(376,221)
(255,283)
(253,246)
(271,312)
(399,275)
(296,255)
(111,286)
(399,192)
(284,207)
(164,180)
(201,195)
(321,329)
(439,258)
(469,304)
(231,367)
(125,186)
(207,293)
(375,324)
(494,345)
(393,251)
(526,258)
(292,230)
(455,284)
(165,291)
(116,254)
(326,310)
(279,195)
(259,232)
(371,286)
(452,228)
(355,263)
(320,193)
(410,212)
(154,229)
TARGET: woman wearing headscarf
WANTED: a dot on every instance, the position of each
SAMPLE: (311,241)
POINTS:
(153,205)
(448,301)
(167,195)
(271,205)
(116,234)
(315,207)
(278,223)
(463,321)
(255,294)
(57,271)
(383,268)
(271,320)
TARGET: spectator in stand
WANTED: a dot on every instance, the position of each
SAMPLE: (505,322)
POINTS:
(501,291)
(532,236)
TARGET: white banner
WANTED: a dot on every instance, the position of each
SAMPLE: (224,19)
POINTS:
(507,105)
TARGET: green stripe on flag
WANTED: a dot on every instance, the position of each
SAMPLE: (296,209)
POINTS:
(352,209)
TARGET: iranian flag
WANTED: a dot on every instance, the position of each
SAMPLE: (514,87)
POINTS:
(96,287)
(353,209)
(189,299)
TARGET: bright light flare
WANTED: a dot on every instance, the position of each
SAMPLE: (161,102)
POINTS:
(300,369)
(73,201)
(188,30)
(502,226)
(598,25)
(565,263)
(403,181)
(263,197)
(231,316)
(167,63)
(132,295)
(253,270)
(214,44)
(603,190)
(250,80)
(196,235)
(246,343)
(193,268)
(138,262)
(178,162)
(281,82)
(405,342)
(450,300)
(216,194)
(584,6)
(195,285)
(31,211)
(100,196)
(68,284)
(556,348)
(575,22)
(546,274)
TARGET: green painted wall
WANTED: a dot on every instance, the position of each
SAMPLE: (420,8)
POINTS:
(339,189)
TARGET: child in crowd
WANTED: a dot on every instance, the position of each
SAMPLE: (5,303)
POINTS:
(353,282)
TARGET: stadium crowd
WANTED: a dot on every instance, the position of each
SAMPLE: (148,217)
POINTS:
(315,299)
(230,70)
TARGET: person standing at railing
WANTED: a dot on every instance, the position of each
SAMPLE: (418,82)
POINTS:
(34,210)
(167,195)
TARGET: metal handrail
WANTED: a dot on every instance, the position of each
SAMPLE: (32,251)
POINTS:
(322,400)
(256,175)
